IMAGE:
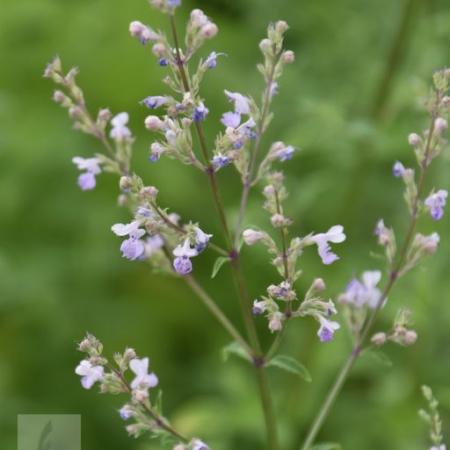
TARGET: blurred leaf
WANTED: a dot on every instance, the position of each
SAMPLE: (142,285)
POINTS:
(378,356)
(327,446)
(289,364)
(234,349)
(220,261)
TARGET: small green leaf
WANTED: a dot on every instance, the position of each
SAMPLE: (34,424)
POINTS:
(326,446)
(289,364)
(378,356)
(220,261)
(234,349)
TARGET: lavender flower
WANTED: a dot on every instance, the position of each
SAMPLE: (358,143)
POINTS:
(259,307)
(87,180)
(398,170)
(219,161)
(211,60)
(365,292)
(197,444)
(251,237)
(231,119)
(153,244)
(327,329)
(200,113)
(120,132)
(336,235)
(126,412)
(182,263)
(89,373)
(173,3)
(156,150)
(133,247)
(201,239)
(435,204)
(281,151)
(143,379)
(241,103)
(154,102)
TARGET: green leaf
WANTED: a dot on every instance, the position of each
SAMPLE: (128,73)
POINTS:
(326,446)
(234,349)
(378,356)
(289,364)
(220,261)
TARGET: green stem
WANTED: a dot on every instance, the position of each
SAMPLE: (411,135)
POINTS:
(393,277)
(235,265)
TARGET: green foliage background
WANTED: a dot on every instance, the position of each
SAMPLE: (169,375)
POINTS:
(61,273)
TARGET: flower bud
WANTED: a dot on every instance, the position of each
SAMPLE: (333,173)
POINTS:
(59,97)
(440,125)
(122,200)
(136,28)
(318,285)
(275,323)
(209,30)
(414,139)
(150,192)
(269,191)
(278,220)
(198,18)
(281,26)
(104,115)
(378,339)
(153,123)
(288,57)
(410,337)
(252,236)
(125,183)
(75,112)
(159,49)
(265,45)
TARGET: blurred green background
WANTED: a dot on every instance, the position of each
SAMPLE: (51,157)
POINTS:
(349,102)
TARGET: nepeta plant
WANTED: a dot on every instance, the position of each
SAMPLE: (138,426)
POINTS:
(171,245)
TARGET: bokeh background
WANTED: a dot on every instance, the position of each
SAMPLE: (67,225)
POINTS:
(349,101)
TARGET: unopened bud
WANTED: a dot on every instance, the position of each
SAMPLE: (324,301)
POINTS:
(281,26)
(265,45)
(288,57)
(378,339)
(149,192)
(209,30)
(440,125)
(414,139)
(318,285)
(153,123)
(125,183)
(159,49)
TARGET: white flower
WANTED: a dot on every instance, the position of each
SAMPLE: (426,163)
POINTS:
(143,379)
(334,234)
(185,250)
(120,131)
(89,374)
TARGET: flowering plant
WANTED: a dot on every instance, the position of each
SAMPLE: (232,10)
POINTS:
(158,236)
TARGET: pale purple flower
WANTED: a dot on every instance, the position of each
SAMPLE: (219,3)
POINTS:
(182,263)
(251,237)
(197,444)
(155,101)
(231,119)
(126,412)
(428,244)
(335,235)
(173,3)
(327,329)
(259,307)
(211,60)
(286,153)
(87,180)
(364,292)
(435,204)
(398,170)
(89,374)
(241,103)
(200,112)
(219,161)
(201,239)
(276,321)
(156,150)
(133,247)
(120,131)
(143,379)
(142,32)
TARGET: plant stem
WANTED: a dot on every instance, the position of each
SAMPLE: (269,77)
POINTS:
(249,175)
(218,313)
(238,278)
(393,276)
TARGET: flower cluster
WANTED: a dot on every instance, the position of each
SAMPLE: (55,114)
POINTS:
(130,375)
